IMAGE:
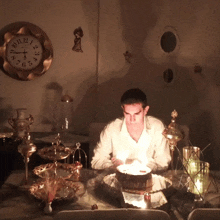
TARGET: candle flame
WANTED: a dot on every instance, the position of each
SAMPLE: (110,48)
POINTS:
(140,161)
(198,185)
(122,156)
(134,169)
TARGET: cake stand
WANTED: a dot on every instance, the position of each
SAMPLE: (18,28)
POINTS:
(50,189)
(54,182)
(138,198)
(106,187)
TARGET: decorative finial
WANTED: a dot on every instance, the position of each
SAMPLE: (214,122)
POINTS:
(58,139)
(172,132)
(174,114)
(78,145)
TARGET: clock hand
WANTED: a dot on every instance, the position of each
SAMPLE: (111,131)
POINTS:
(25,54)
(16,52)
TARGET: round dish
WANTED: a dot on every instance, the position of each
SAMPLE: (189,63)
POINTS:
(62,170)
(130,197)
(54,152)
(50,189)
(131,169)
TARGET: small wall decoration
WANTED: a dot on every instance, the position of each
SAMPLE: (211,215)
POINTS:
(169,40)
(168,75)
(78,33)
(197,68)
(127,56)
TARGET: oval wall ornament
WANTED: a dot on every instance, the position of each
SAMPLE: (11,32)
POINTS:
(168,41)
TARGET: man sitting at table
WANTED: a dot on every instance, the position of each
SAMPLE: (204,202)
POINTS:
(135,137)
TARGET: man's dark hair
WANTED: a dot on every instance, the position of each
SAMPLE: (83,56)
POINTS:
(133,96)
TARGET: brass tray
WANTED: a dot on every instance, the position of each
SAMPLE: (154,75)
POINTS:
(62,170)
(51,189)
(54,152)
(131,197)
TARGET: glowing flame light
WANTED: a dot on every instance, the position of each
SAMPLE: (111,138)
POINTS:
(198,187)
(122,156)
(136,168)
(140,204)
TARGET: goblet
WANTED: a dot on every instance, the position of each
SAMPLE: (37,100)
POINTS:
(26,149)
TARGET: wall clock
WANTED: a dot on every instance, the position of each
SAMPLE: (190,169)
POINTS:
(26,54)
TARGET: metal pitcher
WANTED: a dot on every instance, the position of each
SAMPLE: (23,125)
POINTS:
(21,124)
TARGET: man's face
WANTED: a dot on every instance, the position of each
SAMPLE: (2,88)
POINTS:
(134,113)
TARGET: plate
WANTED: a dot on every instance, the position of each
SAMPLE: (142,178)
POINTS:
(136,197)
(51,189)
(54,152)
(63,170)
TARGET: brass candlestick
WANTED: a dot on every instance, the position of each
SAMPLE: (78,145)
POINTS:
(26,149)
(172,134)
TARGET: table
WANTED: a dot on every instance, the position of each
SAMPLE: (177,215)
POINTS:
(17,203)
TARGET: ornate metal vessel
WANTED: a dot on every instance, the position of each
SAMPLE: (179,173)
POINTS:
(21,124)
(172,132)
(26,149)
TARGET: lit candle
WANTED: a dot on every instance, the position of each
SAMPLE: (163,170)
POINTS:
(66,123)
(194,167)
(199,177)
(122,156)
(198,187)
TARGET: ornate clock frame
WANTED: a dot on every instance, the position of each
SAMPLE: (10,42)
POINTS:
(23,59)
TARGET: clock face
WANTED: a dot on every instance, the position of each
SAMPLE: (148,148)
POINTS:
(24,52)
(27,52)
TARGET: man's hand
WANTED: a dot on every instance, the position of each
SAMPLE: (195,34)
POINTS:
(116,162)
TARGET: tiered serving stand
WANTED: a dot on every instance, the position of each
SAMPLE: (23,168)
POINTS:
(54,182)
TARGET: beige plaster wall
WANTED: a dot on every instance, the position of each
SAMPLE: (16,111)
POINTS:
(97,77)
(71,72)
(138,27)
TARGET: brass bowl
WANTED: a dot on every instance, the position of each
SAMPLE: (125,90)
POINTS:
(55,152)
(63,170)
(62,189)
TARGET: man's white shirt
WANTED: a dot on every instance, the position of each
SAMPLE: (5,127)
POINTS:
(151,149)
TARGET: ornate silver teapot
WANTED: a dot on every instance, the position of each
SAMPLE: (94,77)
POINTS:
(21,124)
